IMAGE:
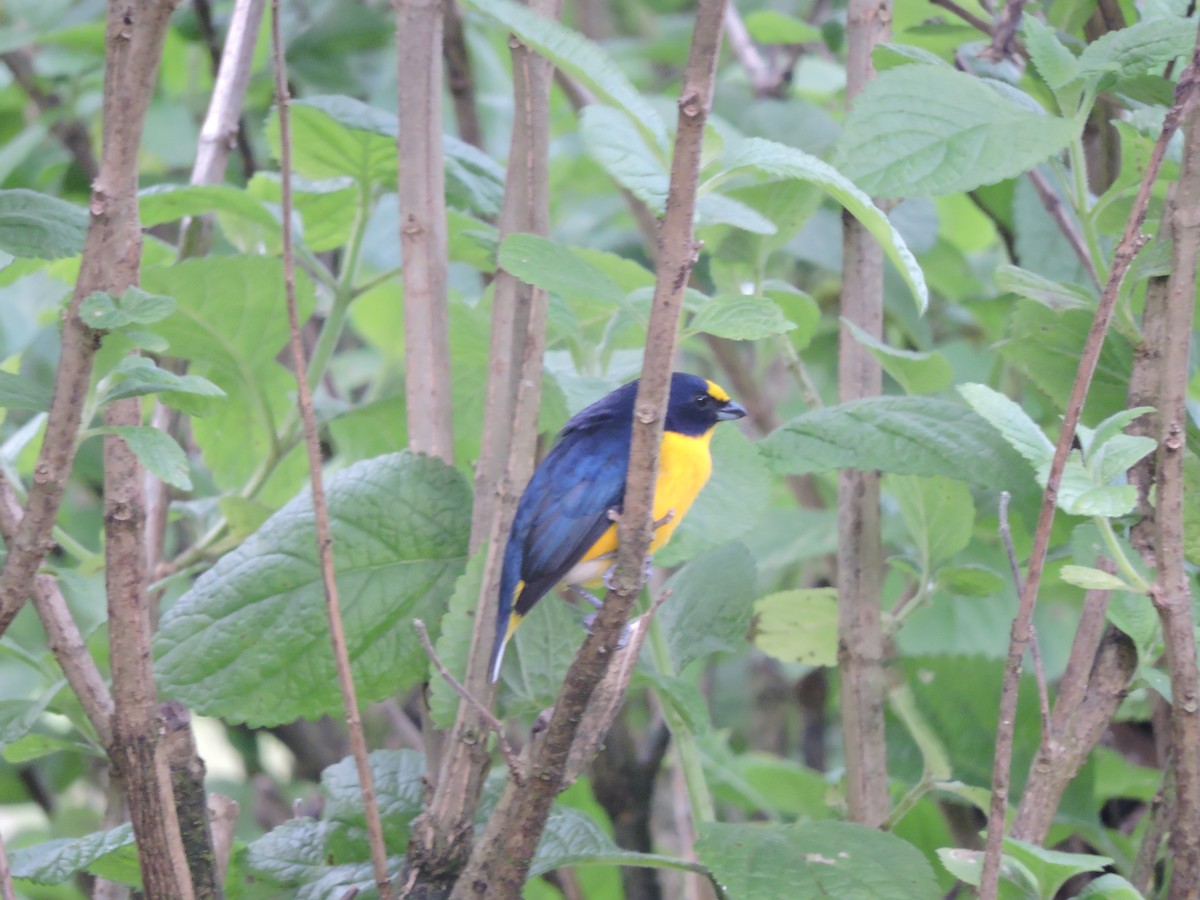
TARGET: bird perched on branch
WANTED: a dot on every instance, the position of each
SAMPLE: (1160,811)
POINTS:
(564,530)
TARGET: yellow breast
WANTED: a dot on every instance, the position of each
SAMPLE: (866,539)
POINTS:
(683,469)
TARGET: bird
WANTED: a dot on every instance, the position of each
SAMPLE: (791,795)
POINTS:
(564,529)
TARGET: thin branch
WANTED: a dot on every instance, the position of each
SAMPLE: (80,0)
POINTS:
(219,57)
(1171,592)
(766,79)
(1061,214)
(459,77)
(7,891)
(859,555)
(1131,242)
(70,131)
(62,634)
(312,445)
(423,227)
(510,757)
(966,15)
(500,861)
(1035,652)
(1146,861)
(1004,31)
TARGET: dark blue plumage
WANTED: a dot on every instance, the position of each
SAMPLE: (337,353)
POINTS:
(564,510)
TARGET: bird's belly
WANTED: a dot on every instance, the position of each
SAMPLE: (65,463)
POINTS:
(683,470)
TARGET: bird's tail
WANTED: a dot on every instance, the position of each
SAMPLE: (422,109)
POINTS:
(507,618)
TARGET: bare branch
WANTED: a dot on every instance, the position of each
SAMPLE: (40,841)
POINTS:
(510,757)
(966,15)
(337,635)
(423,227)
(459,77)
(1171,592)
(1004,31)
(7,891)
(234,86)
(1061,215)
(500,861)
(859,557)
(70,131)
(1130,243)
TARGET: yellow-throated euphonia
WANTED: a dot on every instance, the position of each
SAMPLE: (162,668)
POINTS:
(562,531)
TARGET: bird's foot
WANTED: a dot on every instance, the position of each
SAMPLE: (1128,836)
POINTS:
(584,594)
(647,568)
(590,619)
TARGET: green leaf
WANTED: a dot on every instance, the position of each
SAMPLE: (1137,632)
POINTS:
(718,209)
(1143,46)
(1052,294)
(1053,868)
(797,626)
(399,780)
(557,269)
(578,57)
(136,376)
(1109,887)
(40,226)
(248,642)
(812,860)
(767,26)
(54,862)
(454,641)
(1094,579)
(935,759)
(787,162)
(1007,417)
(17,717)
(1055,63)
(919,130)
(618,145)
(1016,881)
(572,838)
(905,435)
(157,451)
(729,507)
(970,580)
(938,514)
(101,309)
(740,318)
(22,393)
(294,855)
(1191,507)
(35,746)
(1118,454)
(917,373)
(709,607)
(163,203)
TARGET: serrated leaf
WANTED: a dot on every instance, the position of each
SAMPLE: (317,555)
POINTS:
(54,862)
(1149,44)
(399,781)
(1016,881)
(579,57)
(970,580)
(905,435)
(920,130)
(1094,579)
(767,26)
(136,376)
(1109,887)
(787,162)
(17,717)
(1052,294)
(709,607)
(1053,868)
(572,838)
(814,859)
(17,392)
(102,310)
(1055,63)
(938,514)
(248,642)
(740,318)
(35,746)
(1118,454)
(1013,423)
(616,143)
(162,203)
(557,269)
(916,372)
(797,626)
(40,226)
(294,855)
(157,451)
(718,209)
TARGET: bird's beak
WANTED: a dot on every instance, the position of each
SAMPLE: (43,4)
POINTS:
(730,410)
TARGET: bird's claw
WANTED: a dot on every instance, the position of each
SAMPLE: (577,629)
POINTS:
(584,594)
(610,574)
(622,642)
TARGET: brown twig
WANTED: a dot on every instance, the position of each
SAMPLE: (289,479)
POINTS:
(1004,31)
(859,556)
(1146,861)
(1061,215)
(62,634)
(501,858)
(1171,591)
(423,227)
(1130,243)
(966,15)
(312,445)
(459,77)
(510,757)
(1035,652)
(70,131)
(442,836)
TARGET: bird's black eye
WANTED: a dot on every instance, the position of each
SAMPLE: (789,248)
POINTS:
(703,400)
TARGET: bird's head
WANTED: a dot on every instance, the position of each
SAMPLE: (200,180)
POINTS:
(696,405)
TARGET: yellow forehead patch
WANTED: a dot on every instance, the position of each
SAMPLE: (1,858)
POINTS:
(716,392)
